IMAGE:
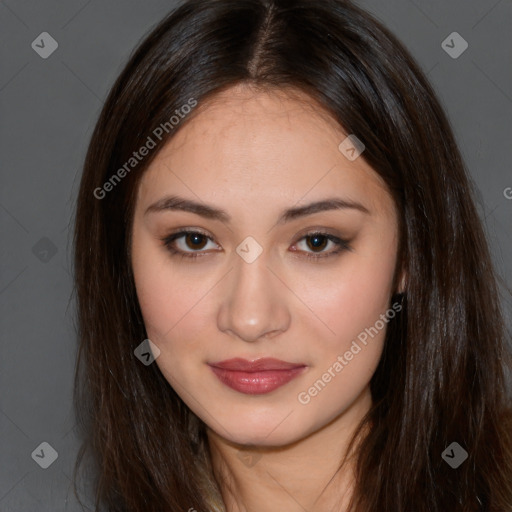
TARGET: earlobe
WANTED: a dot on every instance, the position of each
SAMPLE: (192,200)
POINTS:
(402,283)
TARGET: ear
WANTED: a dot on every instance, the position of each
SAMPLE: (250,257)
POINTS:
(402,283)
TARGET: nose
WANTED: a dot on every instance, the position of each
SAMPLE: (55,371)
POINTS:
(254,302)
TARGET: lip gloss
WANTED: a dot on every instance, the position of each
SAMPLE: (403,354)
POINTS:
(258,382)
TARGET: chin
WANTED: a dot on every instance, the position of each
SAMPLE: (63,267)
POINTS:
(265,433)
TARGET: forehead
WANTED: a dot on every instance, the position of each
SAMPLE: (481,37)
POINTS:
(272,144)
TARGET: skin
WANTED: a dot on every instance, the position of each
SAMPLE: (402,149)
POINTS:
(254,154)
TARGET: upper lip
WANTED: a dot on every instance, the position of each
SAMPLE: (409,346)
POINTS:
(265,363)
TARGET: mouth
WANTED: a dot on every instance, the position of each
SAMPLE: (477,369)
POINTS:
(256,377)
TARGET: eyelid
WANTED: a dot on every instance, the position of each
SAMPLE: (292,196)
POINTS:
(342,244)
(171,237)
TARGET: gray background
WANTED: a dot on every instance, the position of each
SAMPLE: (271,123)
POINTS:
(48,110)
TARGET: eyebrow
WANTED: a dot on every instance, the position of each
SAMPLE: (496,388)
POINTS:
(176,203)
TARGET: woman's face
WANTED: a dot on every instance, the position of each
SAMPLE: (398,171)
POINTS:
(262,284)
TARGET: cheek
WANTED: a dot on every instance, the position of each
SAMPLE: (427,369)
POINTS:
(350,299)
(171,306)
(154,290)
(345,359)
(174,317)
(174,309)
(164,294)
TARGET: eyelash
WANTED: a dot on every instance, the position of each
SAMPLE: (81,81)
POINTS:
(168,241)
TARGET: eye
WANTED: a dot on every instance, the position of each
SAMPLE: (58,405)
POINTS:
(197,240)
(191,239)
(318,240)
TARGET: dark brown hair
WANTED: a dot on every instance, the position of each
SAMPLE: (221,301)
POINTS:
(442,375)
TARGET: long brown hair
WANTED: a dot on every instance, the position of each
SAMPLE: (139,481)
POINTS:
(442,376)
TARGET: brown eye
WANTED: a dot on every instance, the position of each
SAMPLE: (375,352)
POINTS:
(317,242)
(187,244)
(195,240)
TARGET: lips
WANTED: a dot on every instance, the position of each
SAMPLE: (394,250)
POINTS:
(263,364)
(256,377)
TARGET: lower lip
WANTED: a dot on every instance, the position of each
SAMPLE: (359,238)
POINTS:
(256,383)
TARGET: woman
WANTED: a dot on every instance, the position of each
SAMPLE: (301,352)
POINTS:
(285,296)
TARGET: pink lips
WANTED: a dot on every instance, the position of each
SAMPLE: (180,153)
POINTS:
(256,377)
